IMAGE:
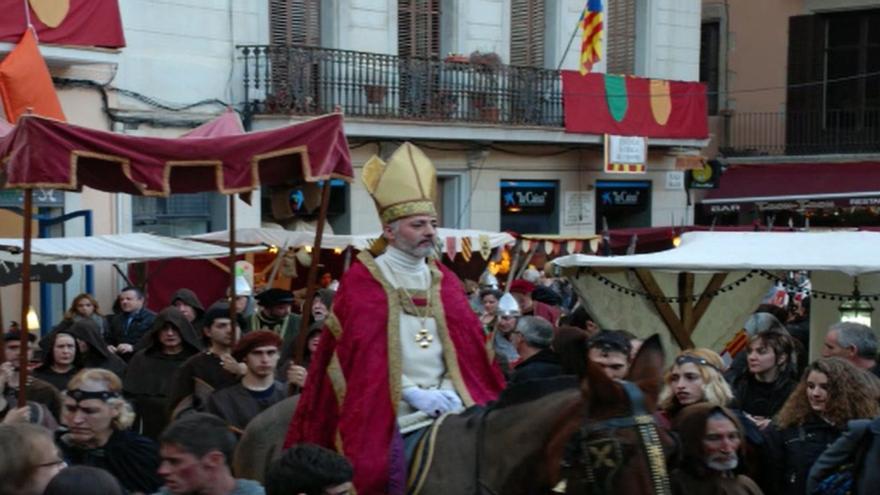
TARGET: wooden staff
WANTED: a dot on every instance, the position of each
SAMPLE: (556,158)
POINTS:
(302,337)
(232,269)
(24,331)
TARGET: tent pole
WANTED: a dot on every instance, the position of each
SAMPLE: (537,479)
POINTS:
(2,329)
(302,337)
(232,268)
(24,331)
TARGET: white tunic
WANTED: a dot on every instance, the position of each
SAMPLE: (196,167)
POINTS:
(422,367)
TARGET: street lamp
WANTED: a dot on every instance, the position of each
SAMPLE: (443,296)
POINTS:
(856,309)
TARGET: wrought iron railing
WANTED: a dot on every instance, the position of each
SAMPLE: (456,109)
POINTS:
(801,132)
(310,81)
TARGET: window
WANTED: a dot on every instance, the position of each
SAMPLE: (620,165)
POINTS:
(418,28)
(527,33)
(710,33)
(852,96)
(295,22)
(179,214)
(529,206)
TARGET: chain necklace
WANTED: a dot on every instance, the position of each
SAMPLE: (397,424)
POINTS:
(423,337)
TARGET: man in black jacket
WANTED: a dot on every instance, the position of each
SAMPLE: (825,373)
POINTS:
(532,339)
(128,326)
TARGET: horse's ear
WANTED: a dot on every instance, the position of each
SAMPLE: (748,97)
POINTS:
(647,368)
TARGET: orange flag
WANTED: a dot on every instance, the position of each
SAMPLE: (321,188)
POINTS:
(25,82)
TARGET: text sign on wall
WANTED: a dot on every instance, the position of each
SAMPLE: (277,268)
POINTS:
(579,208)
(626,154)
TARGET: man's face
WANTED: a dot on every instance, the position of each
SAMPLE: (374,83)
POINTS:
(414,235)
(170,339)
(188,311)
(277,311)
(506,324)
(831,348)
(87,419)
(720,444)
(614,364)
(523,300)
(341,489)
(261,361)
(319,310)
(130,301)
(182,471)
(13,352)
(220,331)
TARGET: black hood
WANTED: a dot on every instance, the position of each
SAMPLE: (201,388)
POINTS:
(189,297)
(171,315)
(99,356)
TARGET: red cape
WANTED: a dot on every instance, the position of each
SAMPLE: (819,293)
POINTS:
(350,399)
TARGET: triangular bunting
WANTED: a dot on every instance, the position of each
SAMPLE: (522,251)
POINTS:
(485,247)
(466,248)
(450,248)
(25,82)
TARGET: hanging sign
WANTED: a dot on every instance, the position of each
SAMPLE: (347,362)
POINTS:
(626,154)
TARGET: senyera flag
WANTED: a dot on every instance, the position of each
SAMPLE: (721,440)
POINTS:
(591,41)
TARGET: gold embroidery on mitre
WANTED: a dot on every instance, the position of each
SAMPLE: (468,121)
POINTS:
(403,186)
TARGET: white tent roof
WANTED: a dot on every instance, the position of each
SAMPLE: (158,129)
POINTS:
(117,248)
(853,253)
(295,239)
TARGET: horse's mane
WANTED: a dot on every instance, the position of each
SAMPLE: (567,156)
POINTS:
(530,390)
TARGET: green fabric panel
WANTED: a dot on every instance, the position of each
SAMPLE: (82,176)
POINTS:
(615,95)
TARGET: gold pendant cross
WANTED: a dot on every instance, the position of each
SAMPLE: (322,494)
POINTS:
(424,338)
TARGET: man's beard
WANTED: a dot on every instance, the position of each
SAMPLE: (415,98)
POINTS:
(722,462)
(414,249)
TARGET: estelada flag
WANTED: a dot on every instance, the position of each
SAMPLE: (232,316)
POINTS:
(25,82)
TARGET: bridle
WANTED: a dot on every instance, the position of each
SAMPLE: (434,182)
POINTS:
(601,452)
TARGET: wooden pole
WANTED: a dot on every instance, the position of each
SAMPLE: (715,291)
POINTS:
(24,332)
(302,337)
(232,297)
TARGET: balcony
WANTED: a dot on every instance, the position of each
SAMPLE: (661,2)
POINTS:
(298,80)
(801,133)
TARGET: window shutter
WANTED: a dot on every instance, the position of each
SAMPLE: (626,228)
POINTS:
(527,33)
(620,37)
(295,22)
(806,63)
(418,28)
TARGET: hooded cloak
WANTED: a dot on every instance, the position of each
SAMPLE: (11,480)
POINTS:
(97,356)
(150,371)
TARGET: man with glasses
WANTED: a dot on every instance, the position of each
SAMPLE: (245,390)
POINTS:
(32,460)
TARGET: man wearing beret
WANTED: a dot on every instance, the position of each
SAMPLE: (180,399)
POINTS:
(209,370)
(522,292)
(238,404)
(401,345)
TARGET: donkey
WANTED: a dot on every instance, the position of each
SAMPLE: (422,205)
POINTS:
(518,445)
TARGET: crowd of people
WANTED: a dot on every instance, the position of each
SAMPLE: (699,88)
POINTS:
(138,402)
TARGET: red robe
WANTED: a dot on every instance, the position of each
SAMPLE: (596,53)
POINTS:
(353,389)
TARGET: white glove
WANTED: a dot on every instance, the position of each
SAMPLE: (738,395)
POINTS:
(431,402)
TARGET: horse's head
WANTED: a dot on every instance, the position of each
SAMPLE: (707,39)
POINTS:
(617,447)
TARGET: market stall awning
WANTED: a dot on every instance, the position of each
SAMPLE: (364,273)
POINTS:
(754,183)
(853,253)
(46,153)
(296,239)
(117,248)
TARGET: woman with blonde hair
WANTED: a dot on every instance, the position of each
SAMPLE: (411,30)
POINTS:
(694,377)
(831,392)
(97,420)
(85,306)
